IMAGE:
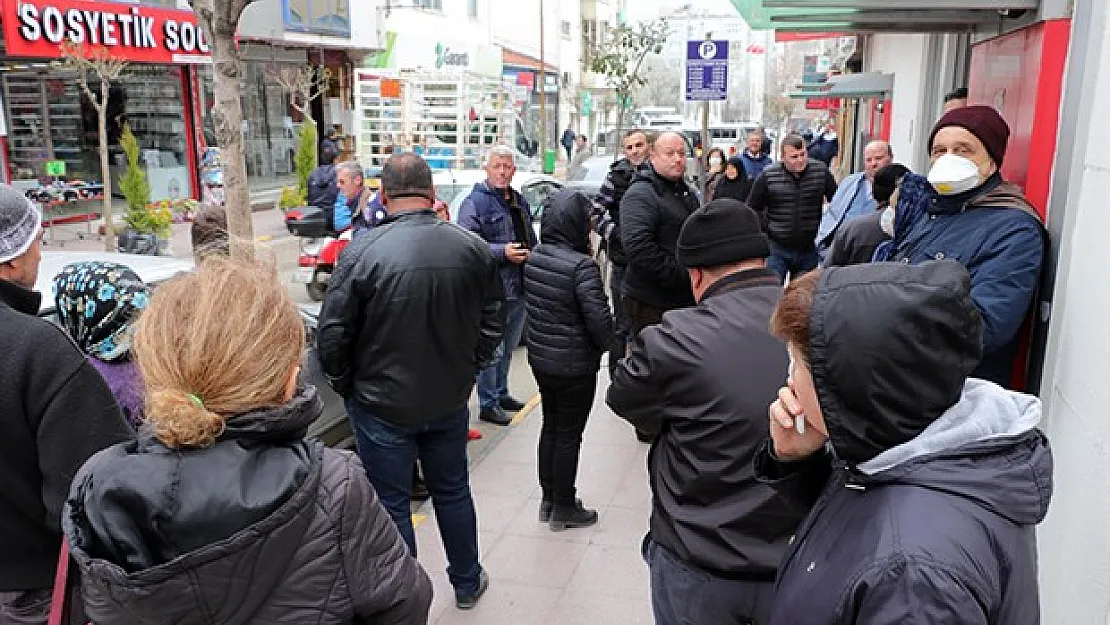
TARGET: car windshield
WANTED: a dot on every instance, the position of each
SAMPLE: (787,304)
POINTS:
(593,170)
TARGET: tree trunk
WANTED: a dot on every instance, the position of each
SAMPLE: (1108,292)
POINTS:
(105,171)
(618,137)
(227,117)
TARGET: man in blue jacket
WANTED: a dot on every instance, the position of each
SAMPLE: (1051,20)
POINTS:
(965,211)
(501,216)
(853,196)
(755,157)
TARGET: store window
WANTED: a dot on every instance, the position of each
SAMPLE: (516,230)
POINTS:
(324,17)
(51,119)
(270,124)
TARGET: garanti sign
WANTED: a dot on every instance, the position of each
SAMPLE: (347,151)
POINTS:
(131,32)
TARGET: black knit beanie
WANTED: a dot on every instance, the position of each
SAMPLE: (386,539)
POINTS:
(721,232)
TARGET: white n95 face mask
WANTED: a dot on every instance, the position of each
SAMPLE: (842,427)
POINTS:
(953,174)
(886,221)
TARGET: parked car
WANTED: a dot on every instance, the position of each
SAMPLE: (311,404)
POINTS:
(589,176)
(331,428)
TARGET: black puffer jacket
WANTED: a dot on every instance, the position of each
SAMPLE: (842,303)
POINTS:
(414,310)
(569,322)
(926,509)
(652,213)
(790,204)
(262,527)
(616,184)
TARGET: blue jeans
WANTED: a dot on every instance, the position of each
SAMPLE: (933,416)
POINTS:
(493,381)
(785,260)
(388,452)
(682,593)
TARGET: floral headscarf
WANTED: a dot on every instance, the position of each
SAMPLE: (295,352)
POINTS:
(98,302)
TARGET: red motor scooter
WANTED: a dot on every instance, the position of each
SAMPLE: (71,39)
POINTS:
(320,249)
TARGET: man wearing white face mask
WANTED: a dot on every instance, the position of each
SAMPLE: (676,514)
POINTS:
(965,211)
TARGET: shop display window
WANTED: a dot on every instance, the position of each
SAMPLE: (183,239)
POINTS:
(51,119)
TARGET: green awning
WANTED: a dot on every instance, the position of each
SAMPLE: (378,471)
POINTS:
(857,16)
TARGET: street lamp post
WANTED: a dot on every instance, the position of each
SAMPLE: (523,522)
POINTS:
(543,94)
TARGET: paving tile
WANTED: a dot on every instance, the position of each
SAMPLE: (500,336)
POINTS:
(504,478)
(611,572)
(634,490)
(585,608)
(506,603)
(621,527)
(534,561)
(496,510)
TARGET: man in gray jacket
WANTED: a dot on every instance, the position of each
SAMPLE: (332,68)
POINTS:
(701,382)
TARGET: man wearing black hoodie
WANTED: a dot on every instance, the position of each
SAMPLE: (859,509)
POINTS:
(55,412)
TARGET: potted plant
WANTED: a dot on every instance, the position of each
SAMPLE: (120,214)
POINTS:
(149,226)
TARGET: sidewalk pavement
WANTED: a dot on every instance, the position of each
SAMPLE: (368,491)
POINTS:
(540,577)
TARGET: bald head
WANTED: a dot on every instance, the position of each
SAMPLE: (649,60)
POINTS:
(876,155)
(668,155)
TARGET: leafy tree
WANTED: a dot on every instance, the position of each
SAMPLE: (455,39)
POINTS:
(620,58)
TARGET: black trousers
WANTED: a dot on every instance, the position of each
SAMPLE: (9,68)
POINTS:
(620,317)
(566,406)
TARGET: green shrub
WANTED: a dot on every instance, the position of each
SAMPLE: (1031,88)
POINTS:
(305,158)
(291,197)
(133,183)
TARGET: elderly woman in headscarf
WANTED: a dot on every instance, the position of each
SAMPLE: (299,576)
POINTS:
(98,303)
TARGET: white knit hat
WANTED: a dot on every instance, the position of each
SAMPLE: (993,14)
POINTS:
(20,223)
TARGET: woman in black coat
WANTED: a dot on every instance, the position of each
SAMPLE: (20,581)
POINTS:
(925,485)
(569,328)
(734,183)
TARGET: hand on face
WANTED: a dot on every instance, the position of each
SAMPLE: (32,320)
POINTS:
(789,445)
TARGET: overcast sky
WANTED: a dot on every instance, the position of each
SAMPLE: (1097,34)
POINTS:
(638,10)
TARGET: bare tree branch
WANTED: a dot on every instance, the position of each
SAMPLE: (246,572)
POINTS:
(107,69)
(304,83)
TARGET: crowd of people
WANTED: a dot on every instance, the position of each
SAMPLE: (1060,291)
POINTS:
(844,449)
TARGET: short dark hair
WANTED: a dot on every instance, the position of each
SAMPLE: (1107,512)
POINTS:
(886,181)
(959,93)
(793,141)
(407,175)
(634,131)
(209,233)
(328,155)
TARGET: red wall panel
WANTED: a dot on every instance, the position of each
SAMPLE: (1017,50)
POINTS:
(1021,75)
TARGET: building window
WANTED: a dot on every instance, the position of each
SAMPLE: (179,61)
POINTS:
(589,41)
(564,27)
(432,5)
(472,9)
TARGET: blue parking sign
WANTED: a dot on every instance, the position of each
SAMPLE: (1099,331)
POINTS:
(706,70)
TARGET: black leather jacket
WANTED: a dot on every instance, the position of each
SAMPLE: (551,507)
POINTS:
(569,323)
(414,310)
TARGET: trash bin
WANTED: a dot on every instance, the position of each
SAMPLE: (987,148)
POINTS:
(549,161)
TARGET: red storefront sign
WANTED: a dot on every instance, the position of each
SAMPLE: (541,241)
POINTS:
(131,32)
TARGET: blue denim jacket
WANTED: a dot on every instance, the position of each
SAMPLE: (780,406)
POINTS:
(486,213)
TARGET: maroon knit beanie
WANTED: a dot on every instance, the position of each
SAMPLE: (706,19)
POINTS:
(982,121)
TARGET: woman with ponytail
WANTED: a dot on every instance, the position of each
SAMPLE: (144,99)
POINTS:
(221,511)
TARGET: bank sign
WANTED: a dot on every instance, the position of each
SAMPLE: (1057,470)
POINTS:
(131,32)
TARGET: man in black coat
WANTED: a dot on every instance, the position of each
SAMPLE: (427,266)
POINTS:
(701,381)
(55,412)
(652,213)
(414,311)
(619,179)
(789,197)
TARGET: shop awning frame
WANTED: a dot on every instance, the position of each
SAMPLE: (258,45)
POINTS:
(869,16)
(864,85)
